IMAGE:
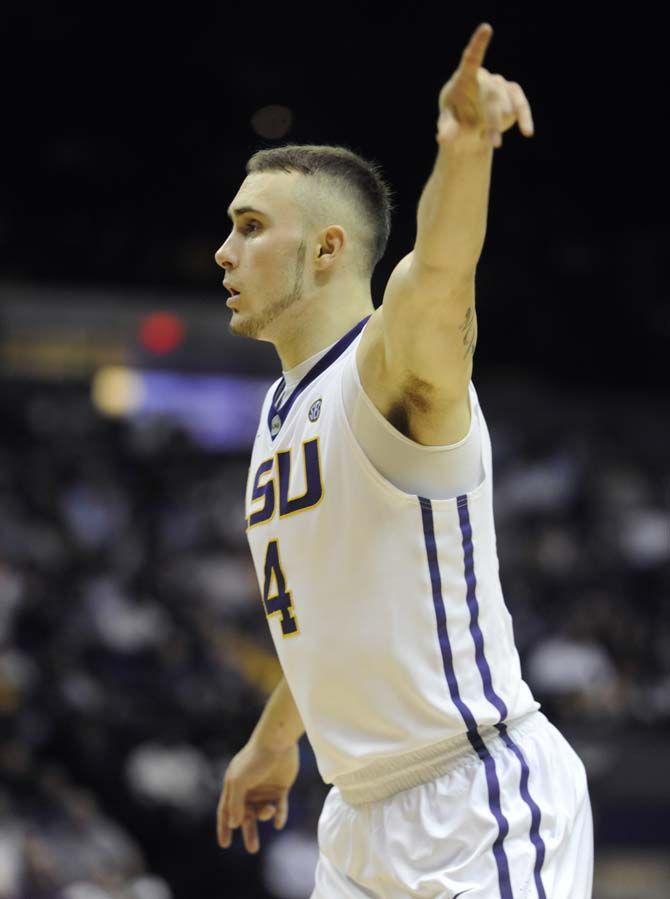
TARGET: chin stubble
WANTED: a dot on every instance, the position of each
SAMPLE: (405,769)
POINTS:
(252,327)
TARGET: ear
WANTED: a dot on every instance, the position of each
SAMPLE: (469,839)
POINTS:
(329,246)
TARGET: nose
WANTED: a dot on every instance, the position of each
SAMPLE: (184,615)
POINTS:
(221,257)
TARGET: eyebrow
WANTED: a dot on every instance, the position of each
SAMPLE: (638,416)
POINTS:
(242,209)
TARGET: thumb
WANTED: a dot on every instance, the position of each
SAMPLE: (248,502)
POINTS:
(266,812)
(282,812)
(447,127)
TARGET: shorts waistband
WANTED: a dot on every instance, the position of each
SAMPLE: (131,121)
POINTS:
(384,777)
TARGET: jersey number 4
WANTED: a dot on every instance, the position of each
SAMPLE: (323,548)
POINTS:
(280,602)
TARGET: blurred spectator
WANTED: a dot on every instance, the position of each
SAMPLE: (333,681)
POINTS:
(135,656)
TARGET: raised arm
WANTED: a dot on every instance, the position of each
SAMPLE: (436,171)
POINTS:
(429,330)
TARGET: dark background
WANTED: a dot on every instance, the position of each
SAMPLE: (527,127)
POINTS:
(125,133)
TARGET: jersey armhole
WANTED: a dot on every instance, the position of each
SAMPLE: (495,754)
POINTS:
(471,468)
(386,424)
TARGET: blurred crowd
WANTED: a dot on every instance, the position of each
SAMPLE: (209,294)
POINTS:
(135,656)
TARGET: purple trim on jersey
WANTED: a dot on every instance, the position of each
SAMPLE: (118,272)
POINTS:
(495,700)
(473,734)
(473,606)
(535,814)
(333,353)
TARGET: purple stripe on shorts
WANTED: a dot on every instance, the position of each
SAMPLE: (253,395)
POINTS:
(535,813)
(495,700)
(473,734)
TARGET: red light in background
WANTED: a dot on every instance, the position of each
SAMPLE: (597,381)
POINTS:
(161,332)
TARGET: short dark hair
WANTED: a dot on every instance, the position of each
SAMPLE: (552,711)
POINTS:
(360,178)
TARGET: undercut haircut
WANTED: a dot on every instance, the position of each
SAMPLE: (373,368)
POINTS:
(341,185)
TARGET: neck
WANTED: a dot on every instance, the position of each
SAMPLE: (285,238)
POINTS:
(315,332)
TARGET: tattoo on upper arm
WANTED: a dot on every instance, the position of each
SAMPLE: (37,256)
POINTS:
(469,331)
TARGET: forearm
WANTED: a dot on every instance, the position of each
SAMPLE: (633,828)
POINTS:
(452,214)
(280,725)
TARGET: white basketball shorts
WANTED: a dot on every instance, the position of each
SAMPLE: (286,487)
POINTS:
(510,819)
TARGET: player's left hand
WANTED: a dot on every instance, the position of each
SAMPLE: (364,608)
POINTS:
(475,106)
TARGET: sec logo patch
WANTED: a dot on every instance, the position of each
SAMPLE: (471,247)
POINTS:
(314,410)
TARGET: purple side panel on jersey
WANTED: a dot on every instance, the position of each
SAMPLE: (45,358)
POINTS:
(441,615)
(473,606)
(495,700)
(473,734)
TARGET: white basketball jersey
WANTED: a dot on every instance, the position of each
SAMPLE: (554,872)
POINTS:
(385,607)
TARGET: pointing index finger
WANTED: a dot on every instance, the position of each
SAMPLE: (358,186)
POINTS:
(473,55)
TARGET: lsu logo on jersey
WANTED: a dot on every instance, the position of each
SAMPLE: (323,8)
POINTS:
(273,477)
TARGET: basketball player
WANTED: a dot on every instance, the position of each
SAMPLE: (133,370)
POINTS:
(370,520)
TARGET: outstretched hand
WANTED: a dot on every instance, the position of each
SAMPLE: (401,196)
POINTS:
(476,106)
